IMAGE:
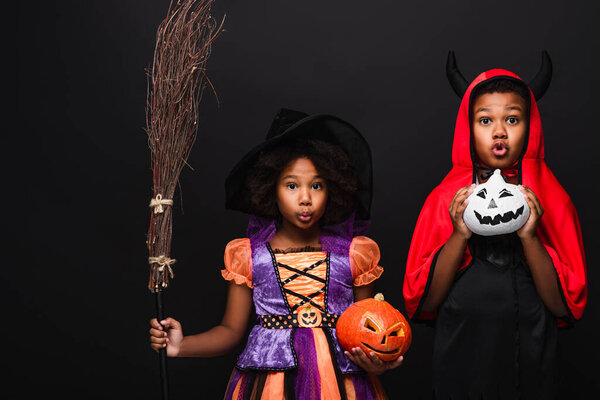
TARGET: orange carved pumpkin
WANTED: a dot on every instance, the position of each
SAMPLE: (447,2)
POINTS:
(374,326)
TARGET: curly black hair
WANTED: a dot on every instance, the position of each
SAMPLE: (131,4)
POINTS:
(333,164)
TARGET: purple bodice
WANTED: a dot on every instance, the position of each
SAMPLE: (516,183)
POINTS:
(272,349)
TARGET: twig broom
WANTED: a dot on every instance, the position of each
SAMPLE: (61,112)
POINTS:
(175,85)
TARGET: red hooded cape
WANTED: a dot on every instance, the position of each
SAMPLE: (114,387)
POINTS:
(558,229)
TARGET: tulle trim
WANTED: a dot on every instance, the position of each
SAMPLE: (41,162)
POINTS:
(265,385)
(237,278)
(368,276)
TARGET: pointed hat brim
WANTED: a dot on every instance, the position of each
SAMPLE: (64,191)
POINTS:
(322,127)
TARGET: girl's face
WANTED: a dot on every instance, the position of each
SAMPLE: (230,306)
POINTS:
(499,126)
(301,194)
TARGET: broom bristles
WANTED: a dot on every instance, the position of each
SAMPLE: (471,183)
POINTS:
(176,82)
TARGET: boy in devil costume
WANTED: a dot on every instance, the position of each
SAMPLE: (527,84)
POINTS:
(497,300)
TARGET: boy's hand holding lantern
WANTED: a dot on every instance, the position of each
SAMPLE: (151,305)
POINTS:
(496,208)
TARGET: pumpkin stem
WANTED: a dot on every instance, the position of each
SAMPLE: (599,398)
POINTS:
(379,296)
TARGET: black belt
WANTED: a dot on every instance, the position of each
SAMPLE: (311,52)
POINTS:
(307,317)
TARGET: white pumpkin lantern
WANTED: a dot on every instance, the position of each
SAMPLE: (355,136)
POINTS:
(496,208)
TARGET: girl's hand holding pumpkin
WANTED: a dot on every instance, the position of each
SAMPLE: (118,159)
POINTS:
(457,208)
(528,231)
(371,363)
(168,334)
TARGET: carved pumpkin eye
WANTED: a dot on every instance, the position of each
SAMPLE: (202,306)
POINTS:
(395,333)
(505,193)
(482,193)
(370,325)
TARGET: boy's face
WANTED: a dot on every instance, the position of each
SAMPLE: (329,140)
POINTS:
(499,125)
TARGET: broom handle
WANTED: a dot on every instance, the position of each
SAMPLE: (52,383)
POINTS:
(162,353)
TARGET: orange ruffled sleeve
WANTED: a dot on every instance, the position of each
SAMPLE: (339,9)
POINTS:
(364,261)
(238,262)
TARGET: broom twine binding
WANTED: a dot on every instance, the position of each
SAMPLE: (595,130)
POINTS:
(158,203)
(163,261)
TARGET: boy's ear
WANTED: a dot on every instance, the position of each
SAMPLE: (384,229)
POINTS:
(539,84)
(456,79)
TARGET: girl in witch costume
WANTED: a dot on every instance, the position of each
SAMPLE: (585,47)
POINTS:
(497,300)
(307,189)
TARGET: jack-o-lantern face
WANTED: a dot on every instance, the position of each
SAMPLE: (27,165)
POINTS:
(496,208)
(374,326)
(309,317)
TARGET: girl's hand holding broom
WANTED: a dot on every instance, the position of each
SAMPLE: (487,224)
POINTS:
(217,341)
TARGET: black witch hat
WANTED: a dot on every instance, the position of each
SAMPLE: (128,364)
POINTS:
(293,125)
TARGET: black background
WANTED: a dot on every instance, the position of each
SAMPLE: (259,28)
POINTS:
(75,269)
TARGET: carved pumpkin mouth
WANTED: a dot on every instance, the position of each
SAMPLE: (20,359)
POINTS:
(506,217)
(381,351)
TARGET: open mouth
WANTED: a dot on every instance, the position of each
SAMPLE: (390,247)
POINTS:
(381,351)
(506,217)
(499,149)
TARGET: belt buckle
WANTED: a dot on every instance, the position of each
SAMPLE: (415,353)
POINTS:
(309,316)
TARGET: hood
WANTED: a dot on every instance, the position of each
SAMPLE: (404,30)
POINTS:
(461,147)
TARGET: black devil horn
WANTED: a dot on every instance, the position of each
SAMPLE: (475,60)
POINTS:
(456,79)
(539,84)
